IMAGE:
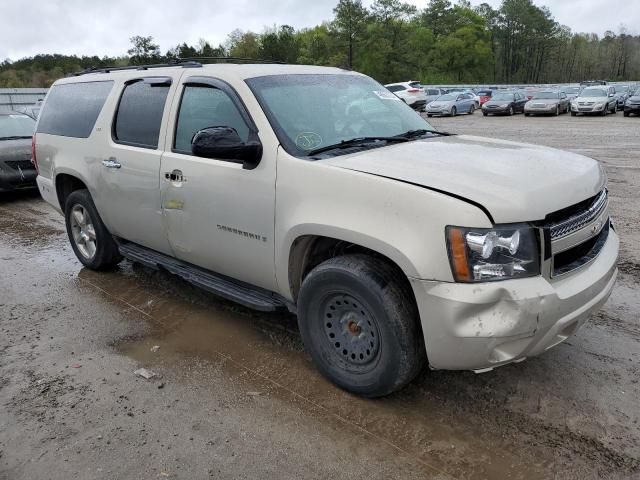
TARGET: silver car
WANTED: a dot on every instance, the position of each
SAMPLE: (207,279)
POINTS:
(547,103)
(452,104)
(595,100)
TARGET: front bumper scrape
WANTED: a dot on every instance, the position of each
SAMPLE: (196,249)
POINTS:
(484,325)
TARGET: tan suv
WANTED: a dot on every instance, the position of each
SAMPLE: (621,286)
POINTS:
(318,190)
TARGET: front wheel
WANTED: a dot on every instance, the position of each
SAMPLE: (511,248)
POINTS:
(454,111)
(510,112)
(485,114)
(574,114)
(615,108)
(360,324)
(91,241)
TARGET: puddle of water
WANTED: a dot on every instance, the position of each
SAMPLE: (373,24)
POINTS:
(268,348)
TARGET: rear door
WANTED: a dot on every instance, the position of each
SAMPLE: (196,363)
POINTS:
(128,190)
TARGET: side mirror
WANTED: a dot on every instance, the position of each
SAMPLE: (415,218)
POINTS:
(224,143)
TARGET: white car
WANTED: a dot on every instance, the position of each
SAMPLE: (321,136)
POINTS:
(317,190)
(412,93)
(599,100)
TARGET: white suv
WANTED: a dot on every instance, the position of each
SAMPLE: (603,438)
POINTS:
(317,190)
(411,93)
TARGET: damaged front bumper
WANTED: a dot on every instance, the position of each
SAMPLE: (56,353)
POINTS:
(484,325)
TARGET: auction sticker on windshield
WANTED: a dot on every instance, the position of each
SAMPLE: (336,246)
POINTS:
(385,95)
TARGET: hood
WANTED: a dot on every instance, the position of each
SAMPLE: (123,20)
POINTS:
(514,182)
(547,101)
(19,149)
(444,103)
(498,102)
(592,99)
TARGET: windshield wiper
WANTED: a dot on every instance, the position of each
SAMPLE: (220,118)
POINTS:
(422,131)
(15,137)
(355,142)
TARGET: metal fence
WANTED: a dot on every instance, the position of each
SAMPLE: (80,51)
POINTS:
(16,98)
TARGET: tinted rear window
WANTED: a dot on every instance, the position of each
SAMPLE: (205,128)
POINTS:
(139,114)
(396,88)
(72,109)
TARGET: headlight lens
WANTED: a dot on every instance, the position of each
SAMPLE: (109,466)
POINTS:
(599,105)
(490,254)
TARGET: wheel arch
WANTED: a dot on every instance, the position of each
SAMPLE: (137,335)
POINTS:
(66,183)
(307,250)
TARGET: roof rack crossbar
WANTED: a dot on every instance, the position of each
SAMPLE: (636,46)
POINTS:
(190,62)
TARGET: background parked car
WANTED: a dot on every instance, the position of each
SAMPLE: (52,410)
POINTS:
(16,169)
(632,105)
(484,95)
(570,91)
(599,100)
(452,104)
(433,93)
(549,102)
(622,93)
(411,93)
(504,103)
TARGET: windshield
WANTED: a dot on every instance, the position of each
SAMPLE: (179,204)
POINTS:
(503,96)
(447,97)
(622,88)
(593,92)
(312,111)
(545,96)
(571,90)
(16,126)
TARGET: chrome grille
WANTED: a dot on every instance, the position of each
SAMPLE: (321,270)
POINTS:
(579,220)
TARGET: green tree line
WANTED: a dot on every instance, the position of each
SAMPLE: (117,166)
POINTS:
(445,42)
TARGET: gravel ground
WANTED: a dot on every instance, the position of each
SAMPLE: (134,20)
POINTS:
(235,396)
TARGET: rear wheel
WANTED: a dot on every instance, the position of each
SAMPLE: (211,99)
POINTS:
(91,241)
(360,324)
(472,109)
(485,114)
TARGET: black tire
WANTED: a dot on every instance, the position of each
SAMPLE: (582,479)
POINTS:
(106,253)
(429,115)
(485,114)
(557,112)
(626,114)
(510,112)
(454,111)
(574,114)
(527,114)
(368,303)
(472,109)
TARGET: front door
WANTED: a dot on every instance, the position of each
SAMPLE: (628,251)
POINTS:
(218,215)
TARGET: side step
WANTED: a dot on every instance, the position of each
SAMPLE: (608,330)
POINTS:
(223,286)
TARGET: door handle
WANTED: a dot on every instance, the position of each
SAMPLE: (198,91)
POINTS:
(111,162)
(175,176)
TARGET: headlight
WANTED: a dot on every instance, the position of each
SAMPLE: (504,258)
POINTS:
(489,254)
(599,105)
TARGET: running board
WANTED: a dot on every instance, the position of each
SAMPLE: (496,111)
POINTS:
(243,293)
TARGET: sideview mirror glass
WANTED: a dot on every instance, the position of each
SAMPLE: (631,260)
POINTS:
(224,143)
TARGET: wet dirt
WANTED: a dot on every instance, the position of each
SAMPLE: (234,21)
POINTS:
(235,395)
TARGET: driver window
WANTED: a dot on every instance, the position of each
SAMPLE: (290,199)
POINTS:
(202,107)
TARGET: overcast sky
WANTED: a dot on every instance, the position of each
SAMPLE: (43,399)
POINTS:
(104,27)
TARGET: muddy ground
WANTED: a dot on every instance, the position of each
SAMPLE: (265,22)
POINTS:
(236,396)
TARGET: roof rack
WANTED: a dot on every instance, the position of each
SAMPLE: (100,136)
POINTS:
(191,62)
